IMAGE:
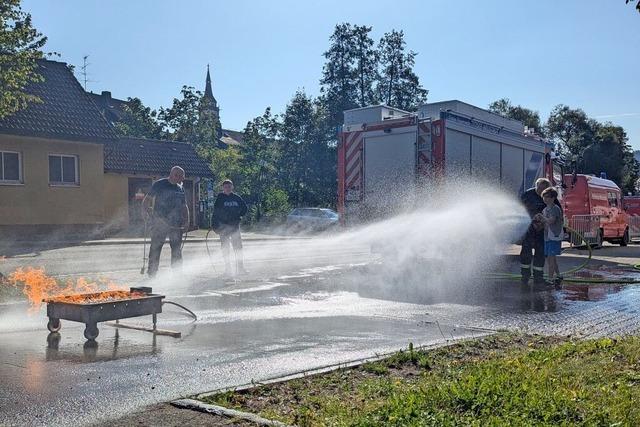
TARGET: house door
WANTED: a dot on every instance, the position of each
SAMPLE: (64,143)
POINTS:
(138,188)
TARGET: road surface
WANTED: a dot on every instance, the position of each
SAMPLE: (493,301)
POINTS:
(304,305)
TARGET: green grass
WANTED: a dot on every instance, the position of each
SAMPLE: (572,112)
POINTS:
(500,380)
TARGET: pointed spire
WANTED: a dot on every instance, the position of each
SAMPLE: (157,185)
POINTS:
(208,92)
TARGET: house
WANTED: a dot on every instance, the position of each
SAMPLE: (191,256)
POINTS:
(130,167)
(63,168)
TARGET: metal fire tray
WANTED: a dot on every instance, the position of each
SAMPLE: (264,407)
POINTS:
(90,313)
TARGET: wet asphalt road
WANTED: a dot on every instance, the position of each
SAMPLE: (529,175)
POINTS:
(302,306)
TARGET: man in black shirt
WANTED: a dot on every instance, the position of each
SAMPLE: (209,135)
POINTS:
(165,209)
(228,210)
(533,240)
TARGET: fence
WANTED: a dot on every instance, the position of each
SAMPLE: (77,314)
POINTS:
(634,227)
(588,226)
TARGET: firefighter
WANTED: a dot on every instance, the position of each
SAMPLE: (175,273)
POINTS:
(165,209)
(533,240)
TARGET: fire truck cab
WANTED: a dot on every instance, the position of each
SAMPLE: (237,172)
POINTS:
(587,198)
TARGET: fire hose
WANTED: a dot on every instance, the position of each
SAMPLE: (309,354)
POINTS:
(190,313)
(571,271)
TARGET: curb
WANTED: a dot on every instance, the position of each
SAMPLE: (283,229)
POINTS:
(196,405)
(482,332)
(141,241)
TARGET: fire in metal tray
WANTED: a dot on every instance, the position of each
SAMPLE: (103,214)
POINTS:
(95,297)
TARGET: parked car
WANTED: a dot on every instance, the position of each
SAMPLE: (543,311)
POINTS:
(315,219)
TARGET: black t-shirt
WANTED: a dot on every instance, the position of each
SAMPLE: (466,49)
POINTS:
(228,210)
(169,201)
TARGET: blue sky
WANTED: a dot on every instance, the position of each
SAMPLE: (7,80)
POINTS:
(583,53)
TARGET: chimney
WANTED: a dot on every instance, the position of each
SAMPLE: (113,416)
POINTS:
(603,175)
(106,95)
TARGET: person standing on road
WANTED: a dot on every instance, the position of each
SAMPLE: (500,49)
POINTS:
(533,240)
(228,210)
(165,209)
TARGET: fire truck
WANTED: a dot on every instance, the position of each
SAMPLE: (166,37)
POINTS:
(385,151)
(593,206)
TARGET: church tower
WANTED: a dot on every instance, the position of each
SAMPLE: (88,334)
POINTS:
(209,102)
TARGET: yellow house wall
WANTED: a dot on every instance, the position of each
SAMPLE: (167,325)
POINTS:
(116,200)
(36,202)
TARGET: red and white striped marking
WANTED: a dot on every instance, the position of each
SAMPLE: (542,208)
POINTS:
(353,164)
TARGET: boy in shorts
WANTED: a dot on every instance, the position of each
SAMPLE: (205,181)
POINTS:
(553,234)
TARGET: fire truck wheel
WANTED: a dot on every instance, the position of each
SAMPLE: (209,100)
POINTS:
(54,324)
(625,238)
(91,332)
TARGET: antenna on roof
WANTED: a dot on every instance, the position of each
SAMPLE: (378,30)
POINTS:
(83,71)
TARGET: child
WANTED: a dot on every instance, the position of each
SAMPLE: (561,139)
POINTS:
(553,234)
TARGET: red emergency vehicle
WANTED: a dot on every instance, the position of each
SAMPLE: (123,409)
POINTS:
(384,150)
(596,202)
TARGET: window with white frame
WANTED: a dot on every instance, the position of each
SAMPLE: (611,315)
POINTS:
(10,167)
(63,169)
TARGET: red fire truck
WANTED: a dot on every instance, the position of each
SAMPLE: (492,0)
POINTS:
(383,150)
(593,206)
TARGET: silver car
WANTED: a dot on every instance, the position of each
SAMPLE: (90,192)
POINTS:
(312,219)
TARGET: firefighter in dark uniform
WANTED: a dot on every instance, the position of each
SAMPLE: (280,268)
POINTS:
(533,240)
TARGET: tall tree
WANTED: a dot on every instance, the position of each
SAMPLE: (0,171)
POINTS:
(398,85)
(338,84)
(307,166)
(365,58)
(530,118)
(20,47)
(139,121)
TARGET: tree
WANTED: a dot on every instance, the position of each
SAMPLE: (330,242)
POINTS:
(571,128)
(398,85)
(365,57)
(307,164)
(20,48)
(611,154)
(139,121)
(180,120)
(338,83)
(530,118)
(593,147)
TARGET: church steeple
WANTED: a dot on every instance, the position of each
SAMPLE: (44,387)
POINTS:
(208,92)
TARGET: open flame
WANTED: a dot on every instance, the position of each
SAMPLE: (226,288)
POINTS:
(39,287)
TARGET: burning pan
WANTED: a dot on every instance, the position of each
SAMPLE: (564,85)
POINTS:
(101,307)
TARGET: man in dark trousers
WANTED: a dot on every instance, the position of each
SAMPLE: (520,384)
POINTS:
(533,240)
(166,212)
(228,210)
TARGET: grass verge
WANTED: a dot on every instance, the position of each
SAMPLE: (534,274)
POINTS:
(505,379)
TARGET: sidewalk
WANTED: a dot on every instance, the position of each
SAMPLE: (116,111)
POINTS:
(194,236)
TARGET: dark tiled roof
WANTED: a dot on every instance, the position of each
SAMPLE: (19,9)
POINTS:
(66,112)
(112,108)
(153,157)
